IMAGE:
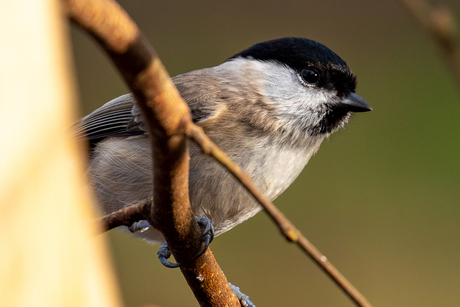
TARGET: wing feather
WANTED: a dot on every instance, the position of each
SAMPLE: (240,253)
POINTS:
(121,117)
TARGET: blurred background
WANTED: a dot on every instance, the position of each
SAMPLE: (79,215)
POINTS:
(381,199)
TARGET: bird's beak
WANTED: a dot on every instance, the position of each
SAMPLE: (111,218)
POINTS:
(355,103)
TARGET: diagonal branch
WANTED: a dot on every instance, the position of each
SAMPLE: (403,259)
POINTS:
(167,116)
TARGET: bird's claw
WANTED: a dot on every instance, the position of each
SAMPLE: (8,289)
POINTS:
(207,235)
(244,299)
(139,227)
(163,254)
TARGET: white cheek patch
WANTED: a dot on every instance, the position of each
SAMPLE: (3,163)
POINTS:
(296,103)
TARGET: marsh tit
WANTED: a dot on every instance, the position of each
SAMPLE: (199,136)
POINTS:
(268,107)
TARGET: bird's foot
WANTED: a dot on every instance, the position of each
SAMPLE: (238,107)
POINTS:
(244,299)
(207,234)
(139,227)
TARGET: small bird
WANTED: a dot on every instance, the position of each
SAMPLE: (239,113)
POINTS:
(268,107)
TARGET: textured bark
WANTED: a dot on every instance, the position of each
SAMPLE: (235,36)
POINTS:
(167,116)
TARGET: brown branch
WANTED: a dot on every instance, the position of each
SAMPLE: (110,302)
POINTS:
(126,216)
(439,23)
(167,116)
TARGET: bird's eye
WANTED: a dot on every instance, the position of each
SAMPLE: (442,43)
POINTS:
(309,76)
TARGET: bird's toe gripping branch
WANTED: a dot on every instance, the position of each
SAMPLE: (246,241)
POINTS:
(139,227)
(207,234)
(244,299)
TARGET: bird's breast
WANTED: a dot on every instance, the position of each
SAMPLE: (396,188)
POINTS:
(280,167)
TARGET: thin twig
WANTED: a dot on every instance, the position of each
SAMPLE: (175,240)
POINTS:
(126,216)
(440,24)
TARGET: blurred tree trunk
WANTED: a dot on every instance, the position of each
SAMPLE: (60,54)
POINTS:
(48,254)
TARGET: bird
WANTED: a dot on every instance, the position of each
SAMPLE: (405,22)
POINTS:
(268,108)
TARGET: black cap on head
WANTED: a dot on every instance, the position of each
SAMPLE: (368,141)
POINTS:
(299,53)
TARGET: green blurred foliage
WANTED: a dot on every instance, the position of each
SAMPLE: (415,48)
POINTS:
(381,199)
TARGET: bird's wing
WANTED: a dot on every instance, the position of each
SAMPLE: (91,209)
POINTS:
(122,117)
(112,119)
